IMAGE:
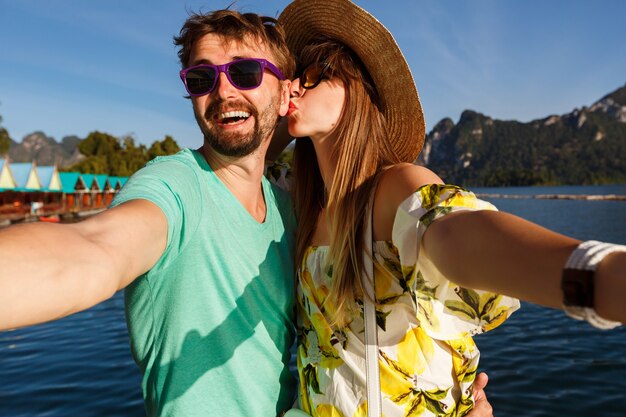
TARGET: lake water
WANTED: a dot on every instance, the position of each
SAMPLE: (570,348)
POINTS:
(540,363)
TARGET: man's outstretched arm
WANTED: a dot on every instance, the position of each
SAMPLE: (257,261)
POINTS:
(48,271)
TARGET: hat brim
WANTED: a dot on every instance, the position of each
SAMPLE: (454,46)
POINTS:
(344,21)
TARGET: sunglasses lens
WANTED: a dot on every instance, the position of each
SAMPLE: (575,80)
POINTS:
(201,80)
(311,76)
(245,74)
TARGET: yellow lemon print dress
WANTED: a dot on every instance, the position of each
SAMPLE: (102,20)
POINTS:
(428,359)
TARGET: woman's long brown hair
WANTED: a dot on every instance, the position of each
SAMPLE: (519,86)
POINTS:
(360,151)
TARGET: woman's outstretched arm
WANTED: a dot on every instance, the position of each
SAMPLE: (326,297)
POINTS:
(503,253)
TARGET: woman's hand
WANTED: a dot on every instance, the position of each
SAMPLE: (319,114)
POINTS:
(482,408)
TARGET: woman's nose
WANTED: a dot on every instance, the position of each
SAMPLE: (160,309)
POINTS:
(295,90)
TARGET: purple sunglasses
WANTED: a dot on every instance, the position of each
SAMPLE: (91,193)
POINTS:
(244,74)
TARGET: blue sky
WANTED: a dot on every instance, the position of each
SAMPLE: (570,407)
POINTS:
(68,67)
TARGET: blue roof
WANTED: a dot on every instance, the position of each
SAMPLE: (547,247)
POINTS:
(88,179)
(101,180)
(21,171)
(23,189)
(114,181)
(45,175)
(68,181)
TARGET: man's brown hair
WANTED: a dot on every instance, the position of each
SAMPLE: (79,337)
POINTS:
(241,27)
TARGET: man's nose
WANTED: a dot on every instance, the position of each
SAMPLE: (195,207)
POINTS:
(224,88)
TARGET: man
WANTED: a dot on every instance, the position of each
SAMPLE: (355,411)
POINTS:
(201,242)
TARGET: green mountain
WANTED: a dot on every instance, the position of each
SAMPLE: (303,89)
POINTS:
(586,146)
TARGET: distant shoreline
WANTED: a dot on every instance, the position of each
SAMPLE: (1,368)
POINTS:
(588,197)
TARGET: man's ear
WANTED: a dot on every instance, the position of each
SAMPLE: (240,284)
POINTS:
(285,94)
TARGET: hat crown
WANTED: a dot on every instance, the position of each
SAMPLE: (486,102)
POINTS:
(304,20)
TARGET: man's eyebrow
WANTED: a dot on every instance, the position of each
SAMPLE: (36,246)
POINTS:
(207,61)
(200,61)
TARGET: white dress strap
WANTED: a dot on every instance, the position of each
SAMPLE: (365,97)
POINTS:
(374,403)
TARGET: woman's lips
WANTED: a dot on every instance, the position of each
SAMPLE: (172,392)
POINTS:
(292,108)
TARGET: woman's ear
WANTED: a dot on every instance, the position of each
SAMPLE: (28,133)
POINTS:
(284,97)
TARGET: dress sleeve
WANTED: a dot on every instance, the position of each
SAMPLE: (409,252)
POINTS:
(444,310)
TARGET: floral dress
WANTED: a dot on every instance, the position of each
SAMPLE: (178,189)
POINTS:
(427,357)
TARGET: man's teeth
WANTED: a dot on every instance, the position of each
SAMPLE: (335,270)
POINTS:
(234,114)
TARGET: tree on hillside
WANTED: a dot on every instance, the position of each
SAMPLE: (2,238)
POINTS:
(100,149)
(167,146)
(5,140)
(107,154)
(131,158)
(99,144)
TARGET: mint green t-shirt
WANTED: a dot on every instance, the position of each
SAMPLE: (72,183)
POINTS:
(211,323)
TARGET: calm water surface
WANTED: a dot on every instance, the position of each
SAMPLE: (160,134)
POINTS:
(540,362)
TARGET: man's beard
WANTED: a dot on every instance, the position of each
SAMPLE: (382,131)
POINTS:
(237,144)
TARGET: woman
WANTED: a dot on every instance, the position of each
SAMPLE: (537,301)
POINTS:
(357,111)
(352,127)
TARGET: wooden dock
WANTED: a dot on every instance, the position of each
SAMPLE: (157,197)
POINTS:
(74,216)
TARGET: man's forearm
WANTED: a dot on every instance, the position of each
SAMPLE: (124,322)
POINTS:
(47,271)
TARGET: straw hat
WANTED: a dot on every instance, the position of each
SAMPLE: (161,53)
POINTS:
(342,20)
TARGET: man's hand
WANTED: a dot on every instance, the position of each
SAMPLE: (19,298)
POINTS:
(482,408)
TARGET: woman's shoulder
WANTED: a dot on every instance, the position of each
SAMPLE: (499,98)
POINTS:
(399,181)
(396,184)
